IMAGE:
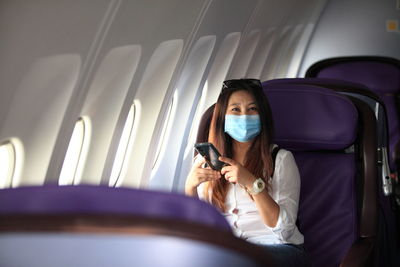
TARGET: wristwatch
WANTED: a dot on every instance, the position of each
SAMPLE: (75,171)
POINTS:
(258,187)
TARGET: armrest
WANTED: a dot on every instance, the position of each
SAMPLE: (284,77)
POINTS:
(359,253)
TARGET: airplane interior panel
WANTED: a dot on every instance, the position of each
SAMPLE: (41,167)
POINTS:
(102,103)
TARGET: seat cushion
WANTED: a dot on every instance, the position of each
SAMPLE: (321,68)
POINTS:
(327,213)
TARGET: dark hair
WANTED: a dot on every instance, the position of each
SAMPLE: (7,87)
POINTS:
(260,148)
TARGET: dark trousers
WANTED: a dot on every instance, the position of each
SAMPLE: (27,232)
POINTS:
(288,255)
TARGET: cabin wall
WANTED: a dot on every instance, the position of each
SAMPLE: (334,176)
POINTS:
(44,59)
(163,60)
(355,28)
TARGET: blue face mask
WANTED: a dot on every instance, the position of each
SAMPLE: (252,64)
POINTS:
(242,128)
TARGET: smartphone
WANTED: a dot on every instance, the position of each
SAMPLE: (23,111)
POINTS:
(211,154)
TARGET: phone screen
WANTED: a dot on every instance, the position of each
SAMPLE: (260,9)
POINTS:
(211,154)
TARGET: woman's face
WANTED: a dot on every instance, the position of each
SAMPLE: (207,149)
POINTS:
(242,103)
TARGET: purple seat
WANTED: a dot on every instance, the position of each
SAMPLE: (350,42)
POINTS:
(204,126)
(99,200)
(376,104)
(165,228)
(387,249)
(380,74)
(338,199)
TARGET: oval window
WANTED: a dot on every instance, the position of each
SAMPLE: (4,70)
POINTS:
(124,147)
(7,164)
(76,154)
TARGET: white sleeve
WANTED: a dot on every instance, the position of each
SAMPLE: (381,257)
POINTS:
(285,190)
(200,188)
(200,191)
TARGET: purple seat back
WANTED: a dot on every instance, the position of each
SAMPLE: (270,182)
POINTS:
(62,200)
(386,237)
(363,93)
(317,124)
(381,75)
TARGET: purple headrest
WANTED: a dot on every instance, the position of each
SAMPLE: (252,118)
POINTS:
(106,200)
(341,86)
(311,118)
(380,77)
(324,82)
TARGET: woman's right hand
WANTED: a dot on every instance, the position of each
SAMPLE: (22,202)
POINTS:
(199,175)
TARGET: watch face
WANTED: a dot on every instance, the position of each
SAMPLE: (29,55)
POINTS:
(258,186)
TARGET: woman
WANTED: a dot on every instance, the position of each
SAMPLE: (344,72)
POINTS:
(259,203)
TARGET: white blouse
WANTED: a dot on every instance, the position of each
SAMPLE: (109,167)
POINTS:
(284,188)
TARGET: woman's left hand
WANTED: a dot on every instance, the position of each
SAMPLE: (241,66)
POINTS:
(237,173)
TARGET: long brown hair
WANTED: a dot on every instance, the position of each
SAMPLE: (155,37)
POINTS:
(260,148)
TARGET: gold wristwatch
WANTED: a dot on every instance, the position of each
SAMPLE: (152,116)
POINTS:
(258,187)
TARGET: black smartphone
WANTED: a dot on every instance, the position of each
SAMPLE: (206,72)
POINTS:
(211,154)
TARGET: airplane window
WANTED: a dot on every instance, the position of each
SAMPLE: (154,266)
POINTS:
(209,95)
(212,86)
(187,91)
(195,124)
(107,92)
(164,128)
(7,164)
(157,74)
(124,147)
(76,154)
(11,161)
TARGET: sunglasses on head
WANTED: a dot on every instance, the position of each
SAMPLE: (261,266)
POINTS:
(237,83)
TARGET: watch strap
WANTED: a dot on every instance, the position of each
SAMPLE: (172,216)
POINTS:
(258,187)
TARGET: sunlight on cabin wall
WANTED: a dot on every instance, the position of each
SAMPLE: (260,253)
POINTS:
(186,95)
(11,160)
(71,171)
(157,74)
(195,124)
(106,94)
(120,166)
(124,148)
(166,127)
(7,165)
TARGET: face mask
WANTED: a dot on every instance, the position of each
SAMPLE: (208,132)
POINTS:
(242,128)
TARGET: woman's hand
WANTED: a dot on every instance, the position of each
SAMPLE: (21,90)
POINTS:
(237,173)
(268,208)
(199,175)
